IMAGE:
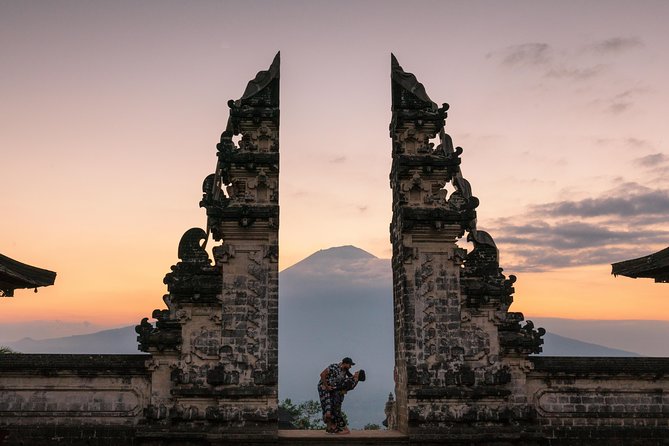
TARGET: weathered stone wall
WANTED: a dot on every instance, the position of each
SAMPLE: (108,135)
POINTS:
(608,401)
(72,399)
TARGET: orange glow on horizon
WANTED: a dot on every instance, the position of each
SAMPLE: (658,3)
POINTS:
(125,294)
(589,293)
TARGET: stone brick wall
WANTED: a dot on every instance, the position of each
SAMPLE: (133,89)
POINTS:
(601,400)
(48,399)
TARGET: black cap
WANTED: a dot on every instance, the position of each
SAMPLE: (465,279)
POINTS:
(347,360)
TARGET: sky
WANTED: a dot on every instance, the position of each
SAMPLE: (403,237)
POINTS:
(110,113)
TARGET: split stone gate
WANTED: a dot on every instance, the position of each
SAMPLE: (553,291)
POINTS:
(463,370)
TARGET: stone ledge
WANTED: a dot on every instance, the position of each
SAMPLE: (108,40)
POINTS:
(233,392)
(39,364)
(356,437)
(460,392)
(582,366)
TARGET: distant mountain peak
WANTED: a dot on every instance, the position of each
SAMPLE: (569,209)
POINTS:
(337,255)
(346,252)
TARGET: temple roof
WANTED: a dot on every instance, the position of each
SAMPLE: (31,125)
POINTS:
(653,266)
(15,275)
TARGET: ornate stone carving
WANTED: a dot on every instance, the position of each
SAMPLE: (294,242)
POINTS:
(455,340)
(218,338)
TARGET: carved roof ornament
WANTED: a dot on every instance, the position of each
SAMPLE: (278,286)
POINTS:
(190,250)
(407,91)
(260,99)
(16,275)
(264,87)
(410,102)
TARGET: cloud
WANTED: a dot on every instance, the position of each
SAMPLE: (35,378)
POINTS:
(338,160)
(543,57)
(636,142)
(578,74)
(363,208)
(625,223)
(652,160)
(524,54)
(539,246)
(614,45)
(542,259)
(620,102)
(563,63)
(566,235)
(619,107)
(632,142)
(624,204)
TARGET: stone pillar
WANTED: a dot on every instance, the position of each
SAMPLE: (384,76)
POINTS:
(459,354)
(215,348)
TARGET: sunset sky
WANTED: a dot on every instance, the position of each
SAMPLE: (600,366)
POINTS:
(110,113)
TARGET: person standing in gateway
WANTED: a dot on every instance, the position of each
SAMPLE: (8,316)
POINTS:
(334,381)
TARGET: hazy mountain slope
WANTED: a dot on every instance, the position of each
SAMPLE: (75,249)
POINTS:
(123,341)
(118,340)
(556,345)
(45,329)
(336,303)
(648,338)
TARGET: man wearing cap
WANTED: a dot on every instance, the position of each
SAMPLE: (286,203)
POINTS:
(330,385)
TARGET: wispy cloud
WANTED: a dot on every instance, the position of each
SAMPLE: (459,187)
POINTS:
(637,142)
(649,202)
(655,168)
(632,142)
(524,54)
(543,259)
(621,224)
(614,45)
(652,160)
(549,62)
(620,102)
(338,160)
(578,74)
(566,235)
(565,63)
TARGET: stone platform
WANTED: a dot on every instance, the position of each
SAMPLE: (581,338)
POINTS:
(356,437)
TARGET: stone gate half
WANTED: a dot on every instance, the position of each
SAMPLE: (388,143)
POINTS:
(214,349)
(460,355)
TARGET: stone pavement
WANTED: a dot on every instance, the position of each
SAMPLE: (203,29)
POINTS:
(356,437)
